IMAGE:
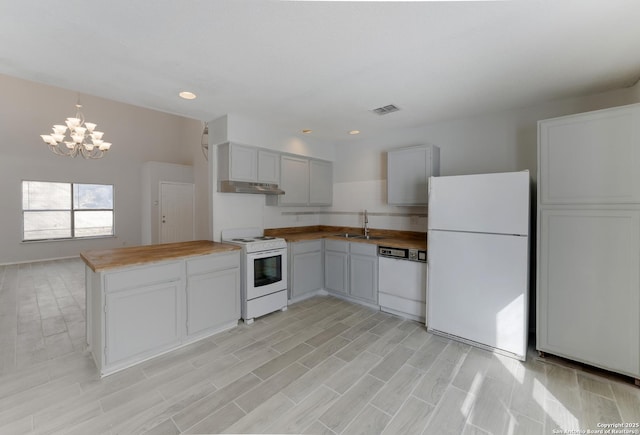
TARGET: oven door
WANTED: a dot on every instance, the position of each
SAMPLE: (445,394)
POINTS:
(266,272)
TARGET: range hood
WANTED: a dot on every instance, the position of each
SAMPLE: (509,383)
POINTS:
(249,187)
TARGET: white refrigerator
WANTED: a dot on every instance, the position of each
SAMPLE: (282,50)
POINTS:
(478,260)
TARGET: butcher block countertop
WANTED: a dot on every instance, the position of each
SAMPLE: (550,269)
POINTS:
(104,259)
(392,238)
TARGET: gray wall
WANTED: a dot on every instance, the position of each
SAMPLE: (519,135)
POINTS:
(28,110)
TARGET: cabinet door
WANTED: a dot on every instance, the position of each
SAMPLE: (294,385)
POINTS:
(294,180)
(408,170)
(363,274)
(307,273)
(268,167)
(213,300)
(589,288)
(590,158)
(320,182)
(142,320)
(336,270)
(243,163)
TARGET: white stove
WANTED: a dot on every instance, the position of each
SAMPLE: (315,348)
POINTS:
(263,269)
(259,243)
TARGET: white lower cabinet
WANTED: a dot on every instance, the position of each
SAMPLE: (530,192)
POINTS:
(351,269)
(142,320)
(136,313)
(589,287)
(212,301)
(363,272)
(306,268)
(336,266)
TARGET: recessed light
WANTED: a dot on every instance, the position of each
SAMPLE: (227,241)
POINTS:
(187,95)
(354,132)
(307,131)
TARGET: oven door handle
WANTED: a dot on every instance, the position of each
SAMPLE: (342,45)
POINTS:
(263,254)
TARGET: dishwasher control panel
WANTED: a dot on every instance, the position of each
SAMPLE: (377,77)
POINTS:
(403,253)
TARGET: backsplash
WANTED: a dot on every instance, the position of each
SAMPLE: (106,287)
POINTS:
(350,199)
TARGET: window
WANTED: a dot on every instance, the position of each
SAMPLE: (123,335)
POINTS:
(66,210)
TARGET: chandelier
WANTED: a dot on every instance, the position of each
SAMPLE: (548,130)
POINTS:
(82,138)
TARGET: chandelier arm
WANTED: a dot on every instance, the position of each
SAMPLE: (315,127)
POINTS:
(59,151)
(95,153)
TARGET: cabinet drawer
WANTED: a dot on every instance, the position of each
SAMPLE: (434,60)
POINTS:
(364,249)
(304,247)
(336,245)
(212,263)
(142,276)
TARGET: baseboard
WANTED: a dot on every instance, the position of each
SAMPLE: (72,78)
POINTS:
(39,260)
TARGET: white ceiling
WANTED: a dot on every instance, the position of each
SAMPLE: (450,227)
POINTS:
(324,65)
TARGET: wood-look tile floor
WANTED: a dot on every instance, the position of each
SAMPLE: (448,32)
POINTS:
(324,366)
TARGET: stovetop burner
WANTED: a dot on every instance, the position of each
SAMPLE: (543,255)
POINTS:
(252,239)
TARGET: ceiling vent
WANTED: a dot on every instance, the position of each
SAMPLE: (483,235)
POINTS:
(386,109)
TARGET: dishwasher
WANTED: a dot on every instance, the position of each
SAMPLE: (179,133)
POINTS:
(402,282)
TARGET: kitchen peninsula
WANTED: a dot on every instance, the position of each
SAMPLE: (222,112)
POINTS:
(143,301)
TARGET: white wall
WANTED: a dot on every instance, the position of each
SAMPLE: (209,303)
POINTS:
(492,142)
(29,109)
(232,210)
(489,142)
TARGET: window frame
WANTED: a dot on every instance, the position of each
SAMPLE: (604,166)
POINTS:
(71,210)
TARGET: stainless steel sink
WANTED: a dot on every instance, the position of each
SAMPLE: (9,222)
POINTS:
(369,237)
(358,236)
(349,235)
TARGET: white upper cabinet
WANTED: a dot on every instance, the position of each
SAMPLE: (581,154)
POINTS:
(237,162)
(590,158)
(320,182)
(294,180)
(268,167)
(305,181)
(408,170)
(246,163)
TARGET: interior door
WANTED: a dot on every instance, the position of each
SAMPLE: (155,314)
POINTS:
(176,212)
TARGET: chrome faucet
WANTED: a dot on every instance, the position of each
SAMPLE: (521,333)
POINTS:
(366,224)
